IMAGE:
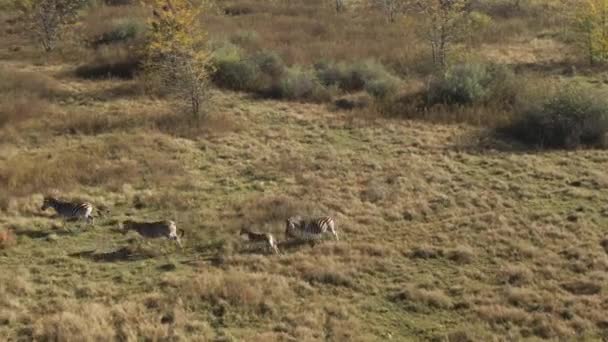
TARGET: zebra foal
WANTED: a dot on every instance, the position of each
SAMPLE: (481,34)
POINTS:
(261,238)
(69,210)
(310,230)
(153,230)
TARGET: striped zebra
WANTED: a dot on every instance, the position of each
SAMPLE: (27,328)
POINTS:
(69,210)
(266,239)
(310,230)
(153,230)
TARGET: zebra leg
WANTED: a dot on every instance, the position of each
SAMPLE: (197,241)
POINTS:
(65,226)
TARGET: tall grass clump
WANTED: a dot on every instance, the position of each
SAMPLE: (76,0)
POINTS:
(573,115)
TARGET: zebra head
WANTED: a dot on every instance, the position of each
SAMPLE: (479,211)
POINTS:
(291,224)
(127,225)
(48,202)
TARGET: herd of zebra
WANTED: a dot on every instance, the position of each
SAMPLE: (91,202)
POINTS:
(296,227)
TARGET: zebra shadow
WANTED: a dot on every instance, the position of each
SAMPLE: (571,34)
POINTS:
(254,250)
(122,254)
(40,234)
(294,244)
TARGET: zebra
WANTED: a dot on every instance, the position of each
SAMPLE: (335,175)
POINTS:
(310,230)
(153,230)
(69,210)
(264,238)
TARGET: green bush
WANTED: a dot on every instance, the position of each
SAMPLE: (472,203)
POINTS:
(382,88)
(231,70)
(353,77)
(300,84)
(259,73)
(574,115)
(467,84)
(369,76)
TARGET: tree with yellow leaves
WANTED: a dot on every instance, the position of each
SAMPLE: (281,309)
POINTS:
(176,52)
(592,25)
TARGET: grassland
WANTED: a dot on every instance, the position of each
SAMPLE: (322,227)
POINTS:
(447,234)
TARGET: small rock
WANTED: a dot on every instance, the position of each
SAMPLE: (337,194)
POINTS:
(52,237)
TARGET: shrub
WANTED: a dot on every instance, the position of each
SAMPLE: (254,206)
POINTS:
(462,84)
(121,30)
(301,84)
(368,75)
(231,70)
(466,84)
(246,39)
(575,115)
(382,88)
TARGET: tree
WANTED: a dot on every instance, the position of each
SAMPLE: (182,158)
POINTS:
(592,27)
(391,8)
(444,22)
(176,53)
(340,7)
(49,18)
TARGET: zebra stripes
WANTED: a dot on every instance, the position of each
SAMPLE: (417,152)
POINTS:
(261,238)
(69,210)
(310,230)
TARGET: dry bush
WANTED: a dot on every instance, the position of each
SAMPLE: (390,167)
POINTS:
(237,287)
(515,275)
(15,109)
(499,314)
(189,127)
(126,322)
(426,252)
(326,272)
(415,297)
(7,239)
(116,36)
(528,299)
(25,82)
(114,25)
(66,169)
(89,165)
(461,255)
(25,95)
(315,33)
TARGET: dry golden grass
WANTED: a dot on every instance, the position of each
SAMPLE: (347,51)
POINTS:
(446,234)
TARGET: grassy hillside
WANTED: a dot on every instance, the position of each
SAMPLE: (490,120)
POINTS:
(447,233)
